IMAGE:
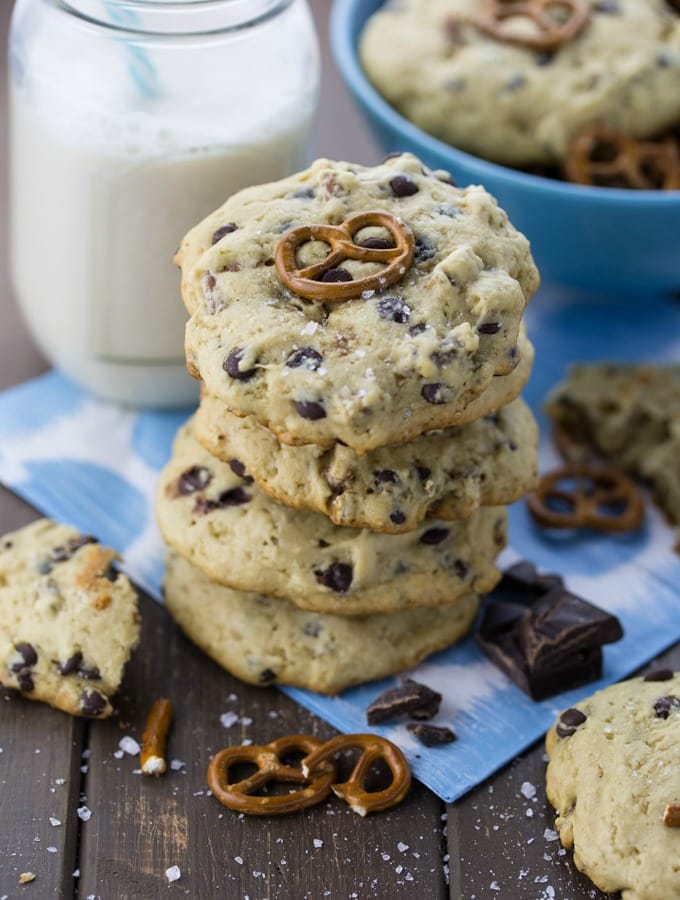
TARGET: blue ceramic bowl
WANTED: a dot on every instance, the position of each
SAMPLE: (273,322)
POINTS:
(598,238)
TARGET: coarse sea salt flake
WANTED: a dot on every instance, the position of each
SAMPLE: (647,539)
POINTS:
(317,843)
(228,719)
(173,873)
(401,847)
(129,745)
(54,821)
(84,813)
(527,790)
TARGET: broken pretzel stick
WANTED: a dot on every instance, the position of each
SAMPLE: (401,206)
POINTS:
(671,815)
(152,756)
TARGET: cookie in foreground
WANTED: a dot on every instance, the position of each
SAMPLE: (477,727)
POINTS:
(613,776)
(68,618)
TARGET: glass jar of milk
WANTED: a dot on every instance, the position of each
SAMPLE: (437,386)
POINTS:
(130,121)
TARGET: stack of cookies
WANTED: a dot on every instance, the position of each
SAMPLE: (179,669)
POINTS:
(335,507)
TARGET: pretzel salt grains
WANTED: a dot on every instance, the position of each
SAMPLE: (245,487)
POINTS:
(374,748)
(604,157)
(671,815)
(240,795)
(152,756)
(325,281)
(603,499)
(554,22)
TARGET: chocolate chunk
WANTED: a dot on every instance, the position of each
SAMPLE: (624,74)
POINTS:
(231,366)
(306,356)
(309,409)
(386,476)
(407,699)
(665,705)
(425,249)
(658,675)
(398,517)
(671,815)
(435,393)
(434,536)
(25,680)
(337,274)
(417,329)
(233,497)
(266,676)
(239,469)
(431,735)
(392,309)
(608,7)
(90,673)
(338,577)
(28,654)
(225,229)
(92,703)
(194,479)
(569,721)
(71,665)
(489,328)
(461,569)
(423,472)
(403,186)
(377,243)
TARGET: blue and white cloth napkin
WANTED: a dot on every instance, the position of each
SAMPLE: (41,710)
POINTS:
(95,465)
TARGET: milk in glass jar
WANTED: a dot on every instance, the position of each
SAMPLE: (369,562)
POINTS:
(130,121)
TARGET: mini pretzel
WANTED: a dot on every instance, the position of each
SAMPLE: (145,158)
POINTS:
(490,16)
(605,157)
(240,795)
(671,815)
(152,757)
(306,282)
(353,790)
(595,488)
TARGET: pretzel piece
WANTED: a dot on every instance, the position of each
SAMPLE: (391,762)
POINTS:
(306,281)
(240,795)
(671,815)
(353,791)
(152,757)
(550,31)
(603,156)
(603,499)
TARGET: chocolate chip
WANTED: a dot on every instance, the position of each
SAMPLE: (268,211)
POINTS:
(338,577)
(461,569)
(397,517)
(92,703)
(423,472)
(569,721)
(425,249)
(225,229)
(304,193)
(239,469)
(266,676)
(417,329)
(489,328)
(231,366)
(434,536)
(337,274)
(435,393)
(71,664)
(664,705)
(403,186)
(393,309)
(25,680)
(308,409)
(431,735)
(410,698)
(28,654)
(386,476)
(544,58)
(377,243)
(233,497)
(194,479)
(305,356)
(658,675)
(90,673)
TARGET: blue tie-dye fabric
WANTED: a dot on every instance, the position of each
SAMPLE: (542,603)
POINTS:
(95,465)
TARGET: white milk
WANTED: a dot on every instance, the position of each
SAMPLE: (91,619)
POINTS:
(99,206)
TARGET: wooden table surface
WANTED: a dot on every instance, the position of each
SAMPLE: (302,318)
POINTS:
(491,844)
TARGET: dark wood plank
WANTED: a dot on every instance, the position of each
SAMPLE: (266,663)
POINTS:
(500,850)
(141,826)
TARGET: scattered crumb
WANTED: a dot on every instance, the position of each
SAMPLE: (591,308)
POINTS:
(26,877)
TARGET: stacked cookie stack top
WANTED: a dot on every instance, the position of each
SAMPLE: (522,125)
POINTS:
(335,506)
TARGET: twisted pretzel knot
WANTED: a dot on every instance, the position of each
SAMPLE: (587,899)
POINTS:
(353,790)
(306,283)
(550,33)
(595,491)
(267,758)
(603,156)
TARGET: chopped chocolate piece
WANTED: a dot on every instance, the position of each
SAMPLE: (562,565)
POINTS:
(28,654)
(489,328)
(232,366)
(423,472)
(90,673)
(560,623)
(305,356)
(435,393)
(337,274)
(233,497)
(398,517)
(434,536)
(92,703)
(71,665)
(225,229)
(403,186)
(386,476)
(25,680)
(308,409)
(409,698)
(431,735)
(671,815)
(377,243)
(569,721)
(338,577)
(194,479)
(238,468)
(393,309)
(267,676)
(658,675)
(664,706)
